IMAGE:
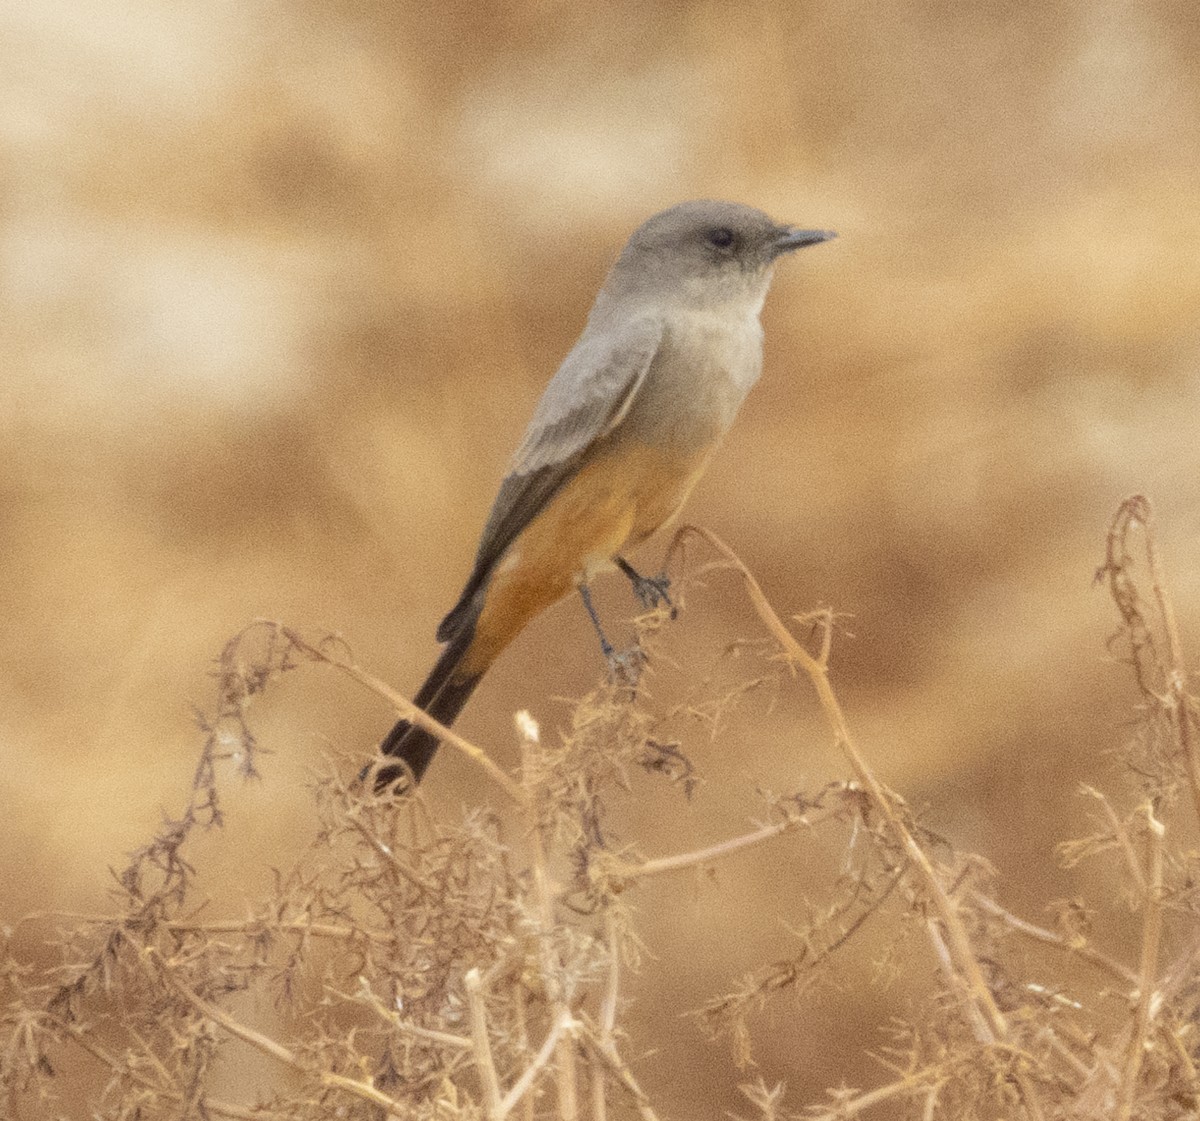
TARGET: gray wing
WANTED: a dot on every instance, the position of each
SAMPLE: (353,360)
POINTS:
(588,397)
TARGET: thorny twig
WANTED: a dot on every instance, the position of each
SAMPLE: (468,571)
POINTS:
(455,929)
(980,1004)
(1148,974)
(552,971)
(1162,680)
(1052,938)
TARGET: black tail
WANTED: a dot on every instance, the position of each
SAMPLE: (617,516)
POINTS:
(442,696)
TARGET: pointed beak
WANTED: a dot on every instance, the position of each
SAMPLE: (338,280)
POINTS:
(792,238)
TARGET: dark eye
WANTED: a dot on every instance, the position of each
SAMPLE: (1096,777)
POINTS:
(721,237)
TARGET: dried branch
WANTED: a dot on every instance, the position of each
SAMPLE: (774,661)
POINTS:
(562,1027)
(456,926)
(1148,976)
(608,1013)
(551,967)
(482,1046)
(405,708)
(979,1002)
(1078,948)
(851,1105)
(366,996)
(1162,679)
(613,1063)
(627,873)
(276,1050)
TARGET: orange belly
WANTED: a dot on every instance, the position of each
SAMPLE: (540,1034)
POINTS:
(620,495)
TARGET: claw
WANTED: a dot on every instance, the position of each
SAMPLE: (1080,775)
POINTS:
(651,590)
(625,666)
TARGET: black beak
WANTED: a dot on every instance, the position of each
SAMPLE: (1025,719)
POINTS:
(791,238)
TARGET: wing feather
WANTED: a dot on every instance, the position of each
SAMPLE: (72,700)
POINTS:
(588,397)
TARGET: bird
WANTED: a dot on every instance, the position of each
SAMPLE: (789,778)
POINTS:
(622,432)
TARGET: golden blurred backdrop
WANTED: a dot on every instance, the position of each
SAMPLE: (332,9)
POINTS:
(281,283)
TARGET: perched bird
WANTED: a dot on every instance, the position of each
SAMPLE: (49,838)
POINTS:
(626,426)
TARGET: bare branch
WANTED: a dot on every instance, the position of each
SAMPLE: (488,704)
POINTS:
(268,1046)
(482,1046)
(613,1064)
(563,1025)
(975,992)
(551,968)
(409,711)
(923,1082)
(1051,938)
(367,996)
(681,861)
(1148,975)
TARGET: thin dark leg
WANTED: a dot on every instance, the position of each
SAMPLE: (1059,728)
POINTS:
(651,590)
(625,668)
(606,647)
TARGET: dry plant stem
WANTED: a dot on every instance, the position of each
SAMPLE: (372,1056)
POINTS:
(125,1070)
(612,983)
(250,927)
(411,712)
(722,848)
(563,1025)
(978,997)
(1180,706)
(931,1099)
(1066,1054)
(1123,839)
(276,1050)
(238,1113)
(612,1062)
(910,1085)
(956,983)
(367,996)
(385,854)
(148,1052)
(1052,938)
(247,927)
(455,1042)
(608,1013)
(522,1018)
(551,968)
(1151,940)
(1185,1061)
(482,1046)
(599,1098)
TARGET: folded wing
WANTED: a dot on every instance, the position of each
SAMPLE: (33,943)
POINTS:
(587,398)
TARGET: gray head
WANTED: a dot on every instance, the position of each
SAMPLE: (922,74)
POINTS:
(704,254)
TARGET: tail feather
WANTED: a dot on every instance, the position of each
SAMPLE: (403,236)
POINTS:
(442,696)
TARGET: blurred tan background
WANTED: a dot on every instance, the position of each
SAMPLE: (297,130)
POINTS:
(280,284)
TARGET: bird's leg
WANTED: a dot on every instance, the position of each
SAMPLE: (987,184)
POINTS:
(606,647)
(626,666)
(651,590)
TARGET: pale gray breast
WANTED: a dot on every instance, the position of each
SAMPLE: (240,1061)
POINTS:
(705,366)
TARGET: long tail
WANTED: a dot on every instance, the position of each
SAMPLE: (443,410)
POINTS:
(442,696)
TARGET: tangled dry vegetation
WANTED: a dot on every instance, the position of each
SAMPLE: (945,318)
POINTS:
(423,968)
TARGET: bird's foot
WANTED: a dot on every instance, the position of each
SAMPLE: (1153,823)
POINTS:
(653,590)
(650,590)
(625,666)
